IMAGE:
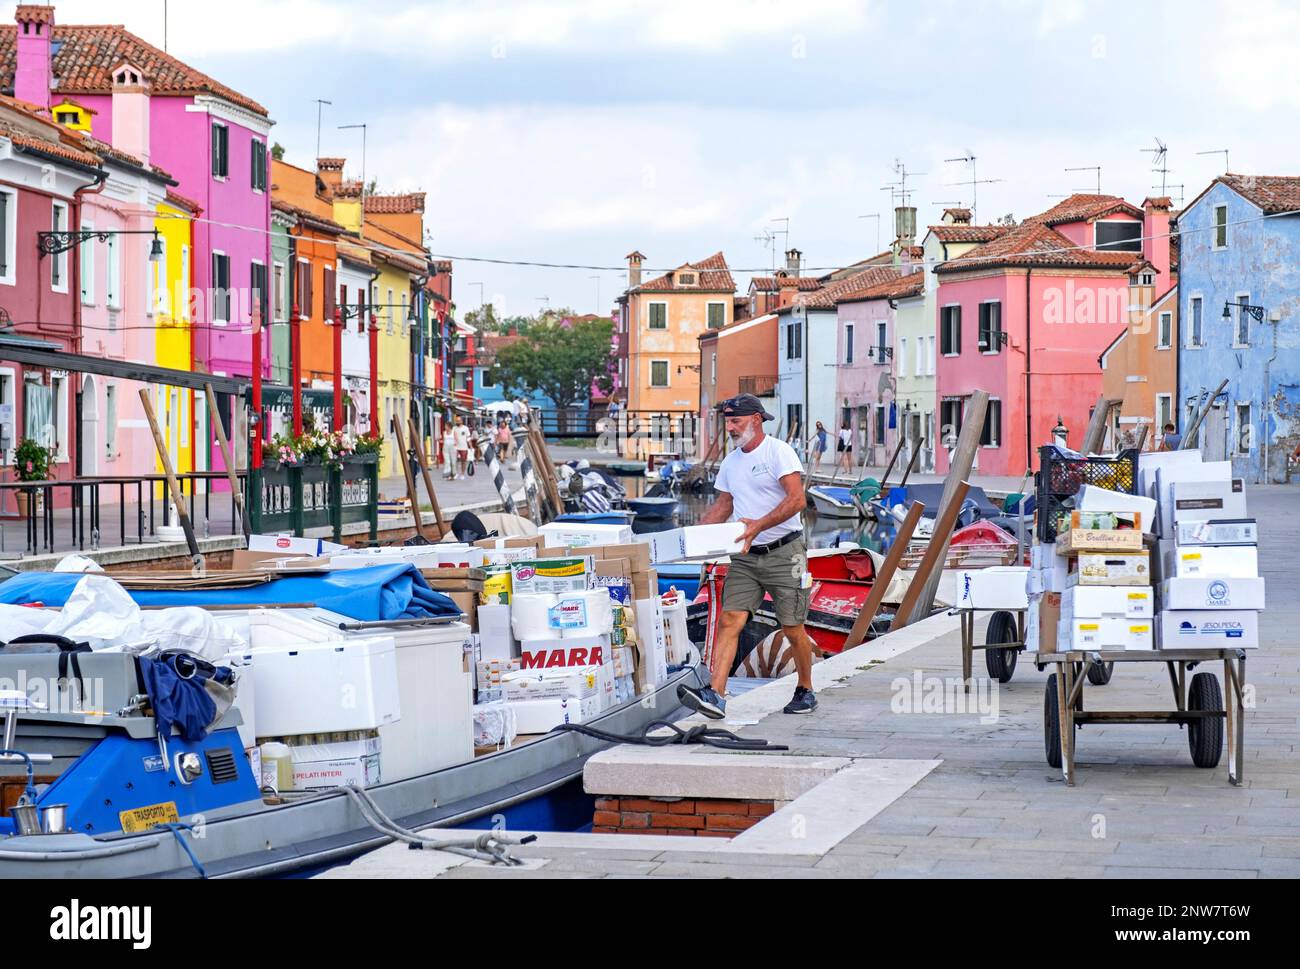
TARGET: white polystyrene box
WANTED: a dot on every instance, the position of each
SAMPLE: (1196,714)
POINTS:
(993,588)
(1201,594)
(306,688)
(1212,562)
(1101,602)
(1197,629)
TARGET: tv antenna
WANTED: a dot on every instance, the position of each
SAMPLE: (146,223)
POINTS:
(1090,168)
(898,190)
(1160,162)
(973,184)
(767,239)
(1219,151)
(1177,199)
(782,232)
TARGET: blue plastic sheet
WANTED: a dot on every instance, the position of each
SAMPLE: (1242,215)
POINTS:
(375,594)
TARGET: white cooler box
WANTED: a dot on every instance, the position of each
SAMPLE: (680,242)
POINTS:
(306,687)
(1105,634)
(1223,629)
(543,716)
(584,535)
(432,695)
(1212,562)
(1107,602)
(1217,594)
(1000,587)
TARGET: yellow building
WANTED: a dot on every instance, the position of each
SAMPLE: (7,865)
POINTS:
(170,282)
(662,322)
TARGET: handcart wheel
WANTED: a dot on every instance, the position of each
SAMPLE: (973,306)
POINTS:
(1205,734)
(1052,723)
(1099,674)
(1001,663)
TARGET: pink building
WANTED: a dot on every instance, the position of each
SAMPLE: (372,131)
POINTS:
(1025,317)
(210,138)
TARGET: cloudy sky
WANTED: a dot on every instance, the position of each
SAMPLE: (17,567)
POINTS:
(574,131)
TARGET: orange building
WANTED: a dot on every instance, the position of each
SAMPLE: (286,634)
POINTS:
(740,358)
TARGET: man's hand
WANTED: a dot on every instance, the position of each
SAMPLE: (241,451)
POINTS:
(752,529)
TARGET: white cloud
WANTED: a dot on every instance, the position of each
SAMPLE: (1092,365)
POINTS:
(1256,61)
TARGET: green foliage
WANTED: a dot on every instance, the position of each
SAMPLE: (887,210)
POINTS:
(31,461)
(561,362)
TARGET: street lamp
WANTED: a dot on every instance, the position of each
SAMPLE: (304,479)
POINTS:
(57,242)
(1256,311)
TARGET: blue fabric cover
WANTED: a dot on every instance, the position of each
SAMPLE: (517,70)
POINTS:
(177,701)
(378,593)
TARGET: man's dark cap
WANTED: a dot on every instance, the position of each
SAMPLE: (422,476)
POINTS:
(744,406)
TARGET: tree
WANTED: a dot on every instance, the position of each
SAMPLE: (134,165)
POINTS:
(484,319)
(560,361)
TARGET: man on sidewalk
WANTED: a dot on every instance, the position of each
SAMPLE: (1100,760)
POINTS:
(760,483)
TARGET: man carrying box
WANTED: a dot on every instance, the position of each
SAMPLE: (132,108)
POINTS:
(760,484)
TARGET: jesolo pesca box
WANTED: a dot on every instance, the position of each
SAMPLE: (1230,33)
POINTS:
(1212,562)
(1212,594)
(1111,569)
(1197,629)
(1239,531)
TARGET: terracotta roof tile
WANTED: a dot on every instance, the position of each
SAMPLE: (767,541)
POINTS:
(1083,208)
(182,202)
(772,284)
(33,13)
(1272,193)
(959,216)
(88,53)
(829,295)
(395,204)
(913,284)
(319,221)
(715,277)
(969,233)
(1035,244)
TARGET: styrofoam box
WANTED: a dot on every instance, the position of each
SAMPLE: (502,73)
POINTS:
(993,588)
(694,542)
(543,716)
(653,644)
(364,771)
(338,750)
(1222,629)
(496,637)
(582,535)
(1166,478)
(1099,602)
(1207,500)
(1092,498)
(1239,531)
(1105,634)
(306,687)
(551,654)
(1213,562)
(572,683)
(1150,462)
(1206,594)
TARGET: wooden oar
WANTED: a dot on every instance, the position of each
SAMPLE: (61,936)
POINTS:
(223,443)
(411,492)
(417,442)
(178,498)
(884,577)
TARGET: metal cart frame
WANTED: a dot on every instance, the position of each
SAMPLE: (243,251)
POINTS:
(1071,673)
(969,646)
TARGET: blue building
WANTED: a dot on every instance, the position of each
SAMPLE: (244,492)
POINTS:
(1240,321)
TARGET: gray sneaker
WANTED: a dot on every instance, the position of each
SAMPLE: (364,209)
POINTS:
(805,701)
(704,700)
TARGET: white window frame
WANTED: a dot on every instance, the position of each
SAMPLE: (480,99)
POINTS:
(1193,301)
(708,306)
(185,284)
(648,315)
(989,410)
(279,284)
(930,357)
(251,293)
(902,356)
(713,368)
(848,343)
(155,281)
(86,255)
(216,320)
(113,274)
(229,154)
(1214,240)
(1161,342)
(1241,299)
(948,306)
(1161,421)
(110,421)
(10,278)
(1236,425)
(9,395)
(61,388)
(997,344)
(59,223)
(668,375)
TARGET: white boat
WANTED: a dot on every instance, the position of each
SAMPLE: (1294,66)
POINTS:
(834,502)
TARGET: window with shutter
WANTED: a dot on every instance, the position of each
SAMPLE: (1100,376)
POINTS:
(330,303)
(4,233)
(220,151)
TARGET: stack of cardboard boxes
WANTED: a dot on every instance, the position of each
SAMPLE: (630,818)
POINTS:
(1107,601)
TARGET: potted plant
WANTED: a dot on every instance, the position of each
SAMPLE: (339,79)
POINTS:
(31,463)
(367,449)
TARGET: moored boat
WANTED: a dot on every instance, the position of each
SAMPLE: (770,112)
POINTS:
(834,502)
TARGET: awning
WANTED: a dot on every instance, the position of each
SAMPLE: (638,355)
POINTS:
(20,349)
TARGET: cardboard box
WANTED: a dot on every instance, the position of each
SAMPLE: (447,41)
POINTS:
(242,560)
(1110,633)
(1224,629)
(336,773)
(616,576)
(653,645)
(1111,569)
(637,553)
(542,576)
(645,585)
(496,638)
(1217,594)
(584,535)
(573,683)
(1105,602)
(993,588)
(1049,621)
(550,654)
(1212,562)
(695,542)
(506,544)
(282,545)
(1078,540)
(1207,501)
(467,603)
(1092,498)
(336,750)
(542,716)
(1239,531)
(456,580)
(1166,477)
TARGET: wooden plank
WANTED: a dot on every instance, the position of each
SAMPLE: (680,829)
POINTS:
(545,470)
(911,465)
(1195,429)
(884,481)
(916,604)
(417,442)
(411,493)
(1142,437)
(862,626)
(963,459)
(178,499)
(223,443)
(1095,436)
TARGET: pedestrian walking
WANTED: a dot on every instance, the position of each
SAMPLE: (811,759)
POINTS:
(760,483)
(448,452)
(845,449)
(819,443)
(461,438)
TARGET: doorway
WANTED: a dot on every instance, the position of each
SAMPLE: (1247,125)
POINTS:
(90,441)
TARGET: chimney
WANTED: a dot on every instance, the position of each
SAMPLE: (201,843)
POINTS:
(793,262)
(330,171)
(956,216)
(905,225)
(789,289)
(35,72)
(1156,241)
(635,260)
(131,93)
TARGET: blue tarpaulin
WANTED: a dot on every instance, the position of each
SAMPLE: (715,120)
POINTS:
(382,592)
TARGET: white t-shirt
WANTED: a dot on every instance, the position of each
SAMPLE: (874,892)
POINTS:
(753,479)
(846,436)
(462,437)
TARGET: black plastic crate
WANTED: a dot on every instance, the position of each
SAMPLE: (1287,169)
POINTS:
(1060,478)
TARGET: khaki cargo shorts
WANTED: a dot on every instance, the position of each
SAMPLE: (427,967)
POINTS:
(779,574)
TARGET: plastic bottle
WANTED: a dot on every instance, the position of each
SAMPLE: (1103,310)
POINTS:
(277,767)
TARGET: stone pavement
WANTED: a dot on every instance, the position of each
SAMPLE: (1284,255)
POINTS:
(993,807)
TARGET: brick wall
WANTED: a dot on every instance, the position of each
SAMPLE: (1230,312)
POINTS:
(681,817)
